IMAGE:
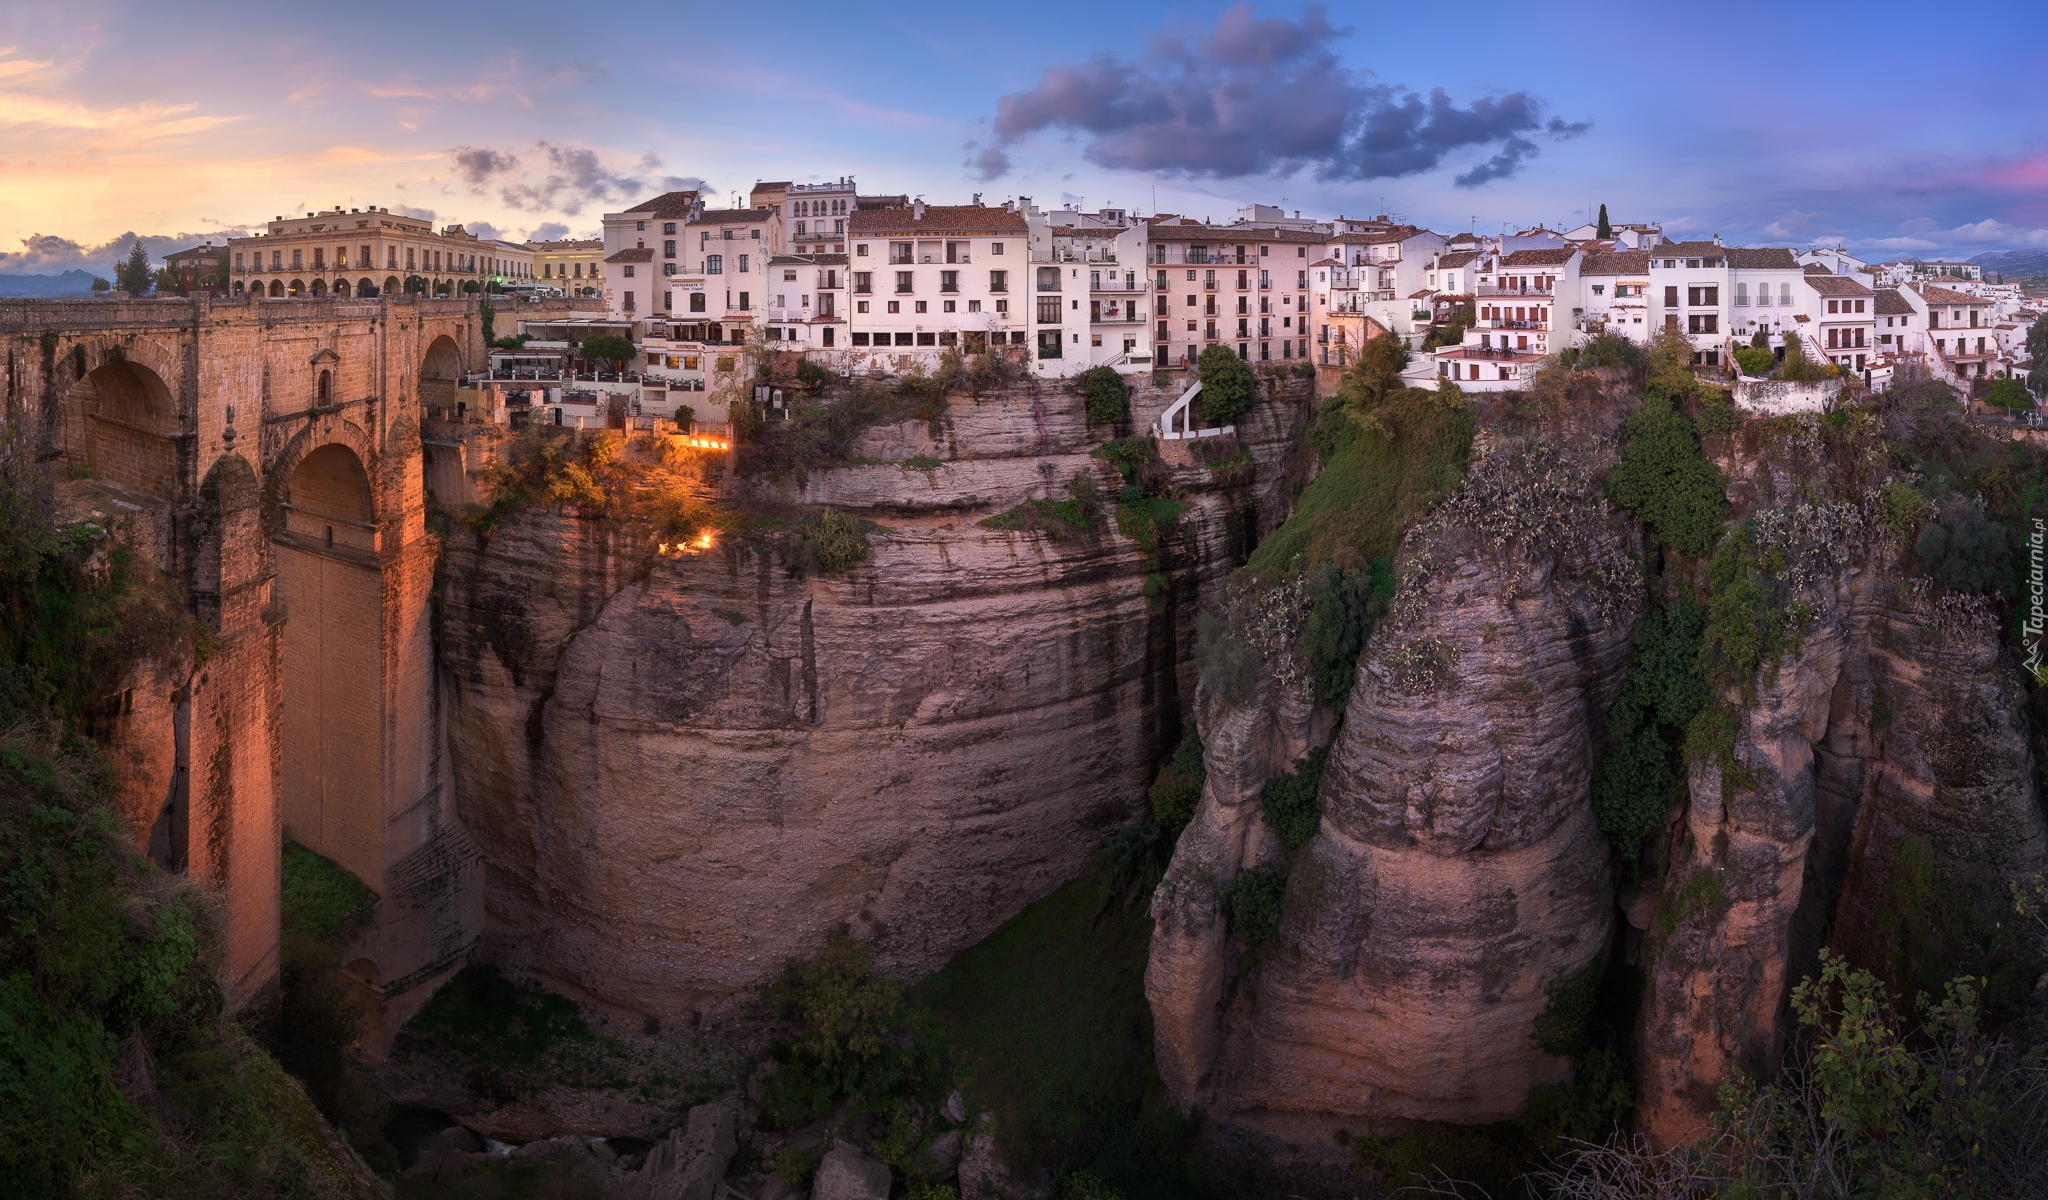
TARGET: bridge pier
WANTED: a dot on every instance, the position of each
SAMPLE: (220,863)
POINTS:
(265,455)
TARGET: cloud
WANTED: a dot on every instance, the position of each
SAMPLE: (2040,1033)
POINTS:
(135,122)
(1922,234)
(47,254)
(484,229)
(561,179)
(477,165)
(1256,95)
(547,231)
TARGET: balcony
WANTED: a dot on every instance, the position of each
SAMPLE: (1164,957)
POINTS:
(1495,289)
(904,260)
(903,289)
(1535,325)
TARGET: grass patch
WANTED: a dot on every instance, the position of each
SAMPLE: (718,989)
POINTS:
(1080,512)
(1047,1019)
(1382,468)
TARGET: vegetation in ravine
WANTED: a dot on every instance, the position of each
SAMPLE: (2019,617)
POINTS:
(1665,480)
(1044,1024)
(599,476)
(1642,773)
(1228,386)
(1288,801)
(1107,397)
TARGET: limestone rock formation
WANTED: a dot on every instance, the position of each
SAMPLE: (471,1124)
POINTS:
(1456,877)
(685,770)
(1881,780)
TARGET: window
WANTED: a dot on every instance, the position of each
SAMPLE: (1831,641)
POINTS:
(629,270)
(1671,296)
(714,264)
(668,268)
(1703,297)
(860,249)
(863,282)
(1784,294)
(973,306)
(696,302)
(1048,279)
(950,305)
(995,247)
(1859,306)
(1702,323)
(949,281)
(1600,289)
(899,252)
(860,306)
(999,281)
(743,264)
(922,306)
(1048,310)
(860,339)
(927,339)
(1003,308)
(895,306)
(1741,295)
(903,339)
(1834,306)
(668,226)
(903,282)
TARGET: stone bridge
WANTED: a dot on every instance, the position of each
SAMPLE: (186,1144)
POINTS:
(266,455)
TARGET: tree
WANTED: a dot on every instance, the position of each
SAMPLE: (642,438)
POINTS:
(1761,339)
(607,347)
(414,284)
(100,285)
(1108,396)
(1664,479)
(1376,375)
(2008,393)
(1962,551)
(1605,230)
(2037,349)
(1227,385)
(133,275)
(1671,362)
(165,280)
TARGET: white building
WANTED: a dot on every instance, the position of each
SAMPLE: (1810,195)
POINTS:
(1614,291)
(929,278)
(1955,331)
(1234,285)
(805,298)
(634,245)
(1840,321)
(1715,294)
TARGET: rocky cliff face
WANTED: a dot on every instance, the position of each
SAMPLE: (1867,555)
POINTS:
(1876,795)
(685,769)
(1457,875)
(1871,790)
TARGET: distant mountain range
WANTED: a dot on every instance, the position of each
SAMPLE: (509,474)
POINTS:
(70,283)
(2015,264)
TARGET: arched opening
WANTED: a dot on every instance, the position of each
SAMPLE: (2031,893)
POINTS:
(440,374)
(119,426)
(329,586)
(239,287)
(341,287)
(391,285)
(323,388)
(366,287)
(319,287)
(277,287)
(298,287)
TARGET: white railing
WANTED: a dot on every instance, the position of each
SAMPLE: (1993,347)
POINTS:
(1182,408)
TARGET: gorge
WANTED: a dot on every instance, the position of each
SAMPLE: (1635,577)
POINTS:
(678,740)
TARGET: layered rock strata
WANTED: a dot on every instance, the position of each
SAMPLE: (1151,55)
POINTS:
(687,769)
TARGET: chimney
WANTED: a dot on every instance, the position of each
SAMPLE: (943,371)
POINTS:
(917,209)
(977,199)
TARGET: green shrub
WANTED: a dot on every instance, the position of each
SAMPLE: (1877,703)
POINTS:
(1565,1026)
(607,347)
(809,374)
(1080,512)
(1289,801)
(1130,456)
(1640,773)
(1797,367)
(1664,479)
(1227,386)
(1615,351)
(836,541)
(844,1017)
(1255,904)
(1452,330)
(1343,608)
(1108,396)
(922,462)
(1755,362)
(1177,789)
(1962,551)
(1901,508)
(1718,413)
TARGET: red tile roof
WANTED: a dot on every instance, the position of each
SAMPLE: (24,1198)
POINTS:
(1539,258)
(668,204)
(937,219)
(1836,285)
(632,256)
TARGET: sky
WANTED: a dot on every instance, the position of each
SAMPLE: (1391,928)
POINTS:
(1893,128)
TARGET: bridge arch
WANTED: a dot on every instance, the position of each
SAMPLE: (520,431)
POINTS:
(330,589)
(440,374)
(119,423)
